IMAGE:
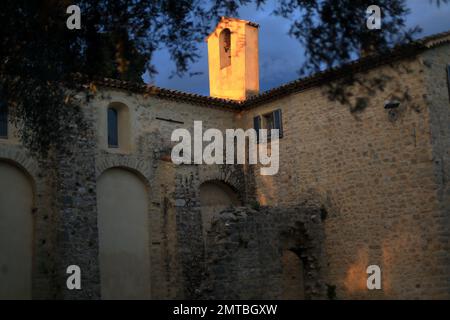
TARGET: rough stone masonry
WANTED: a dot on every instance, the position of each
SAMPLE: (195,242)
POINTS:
(354,188)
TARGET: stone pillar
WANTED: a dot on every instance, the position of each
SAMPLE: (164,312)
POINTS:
(189,230)
(76,216)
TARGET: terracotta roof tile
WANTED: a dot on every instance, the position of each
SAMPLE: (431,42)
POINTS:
(160,92)
(408,50)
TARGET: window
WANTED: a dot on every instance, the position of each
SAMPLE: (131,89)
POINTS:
(278,123)
(273,120)
(448,79)
(3,120)
(257,126)
(269,121)
(225,48)
(116,127)
(113,128)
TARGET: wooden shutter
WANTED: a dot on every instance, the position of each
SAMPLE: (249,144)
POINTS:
(278,123)
(257,126)
(3,120)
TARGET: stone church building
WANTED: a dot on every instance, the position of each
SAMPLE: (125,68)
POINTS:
(356,187)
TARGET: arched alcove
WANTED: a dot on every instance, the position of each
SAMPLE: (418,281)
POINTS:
(293,283)
(16,232)
(124,235)
(215,196)
(225,48)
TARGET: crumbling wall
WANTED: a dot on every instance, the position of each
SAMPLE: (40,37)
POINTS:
(246,246)
(191,242)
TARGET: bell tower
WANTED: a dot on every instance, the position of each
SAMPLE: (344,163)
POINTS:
(233,59)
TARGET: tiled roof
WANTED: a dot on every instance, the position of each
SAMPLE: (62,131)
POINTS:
(408,50)
(253,24)
(250,23)
(363,64)
(435,39)
(161,92)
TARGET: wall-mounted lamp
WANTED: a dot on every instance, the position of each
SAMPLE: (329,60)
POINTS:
(391,104)
(392,107)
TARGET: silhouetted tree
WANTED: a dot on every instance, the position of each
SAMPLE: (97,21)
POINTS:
(39,54)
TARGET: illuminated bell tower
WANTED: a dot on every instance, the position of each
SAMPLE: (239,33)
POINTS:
(233,59)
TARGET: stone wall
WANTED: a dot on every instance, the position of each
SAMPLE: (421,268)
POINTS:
(191,241)
(65,196)
(174,214)
(245,249)
(378,181)
(375,173)
(438,101)
(75,201)
(64,228)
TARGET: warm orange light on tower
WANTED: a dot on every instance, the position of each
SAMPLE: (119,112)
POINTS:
(233,59)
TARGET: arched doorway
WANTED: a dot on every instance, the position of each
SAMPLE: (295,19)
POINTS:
(123,235)
(16,232)
(215,196)
(293,285)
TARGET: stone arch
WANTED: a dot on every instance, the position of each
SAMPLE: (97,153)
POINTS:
(301,254)
(293,283)
(139,167)
(22,160)
(124,234)
(215,196)
(17,201)
(229,175)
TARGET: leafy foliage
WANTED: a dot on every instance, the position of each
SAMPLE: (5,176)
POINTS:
(38,54)
(334,32)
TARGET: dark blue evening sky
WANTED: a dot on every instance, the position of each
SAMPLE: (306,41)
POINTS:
(280,56)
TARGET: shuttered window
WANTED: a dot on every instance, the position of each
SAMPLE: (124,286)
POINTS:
(257,126)
(272,120)
(113,128)
(3,120)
